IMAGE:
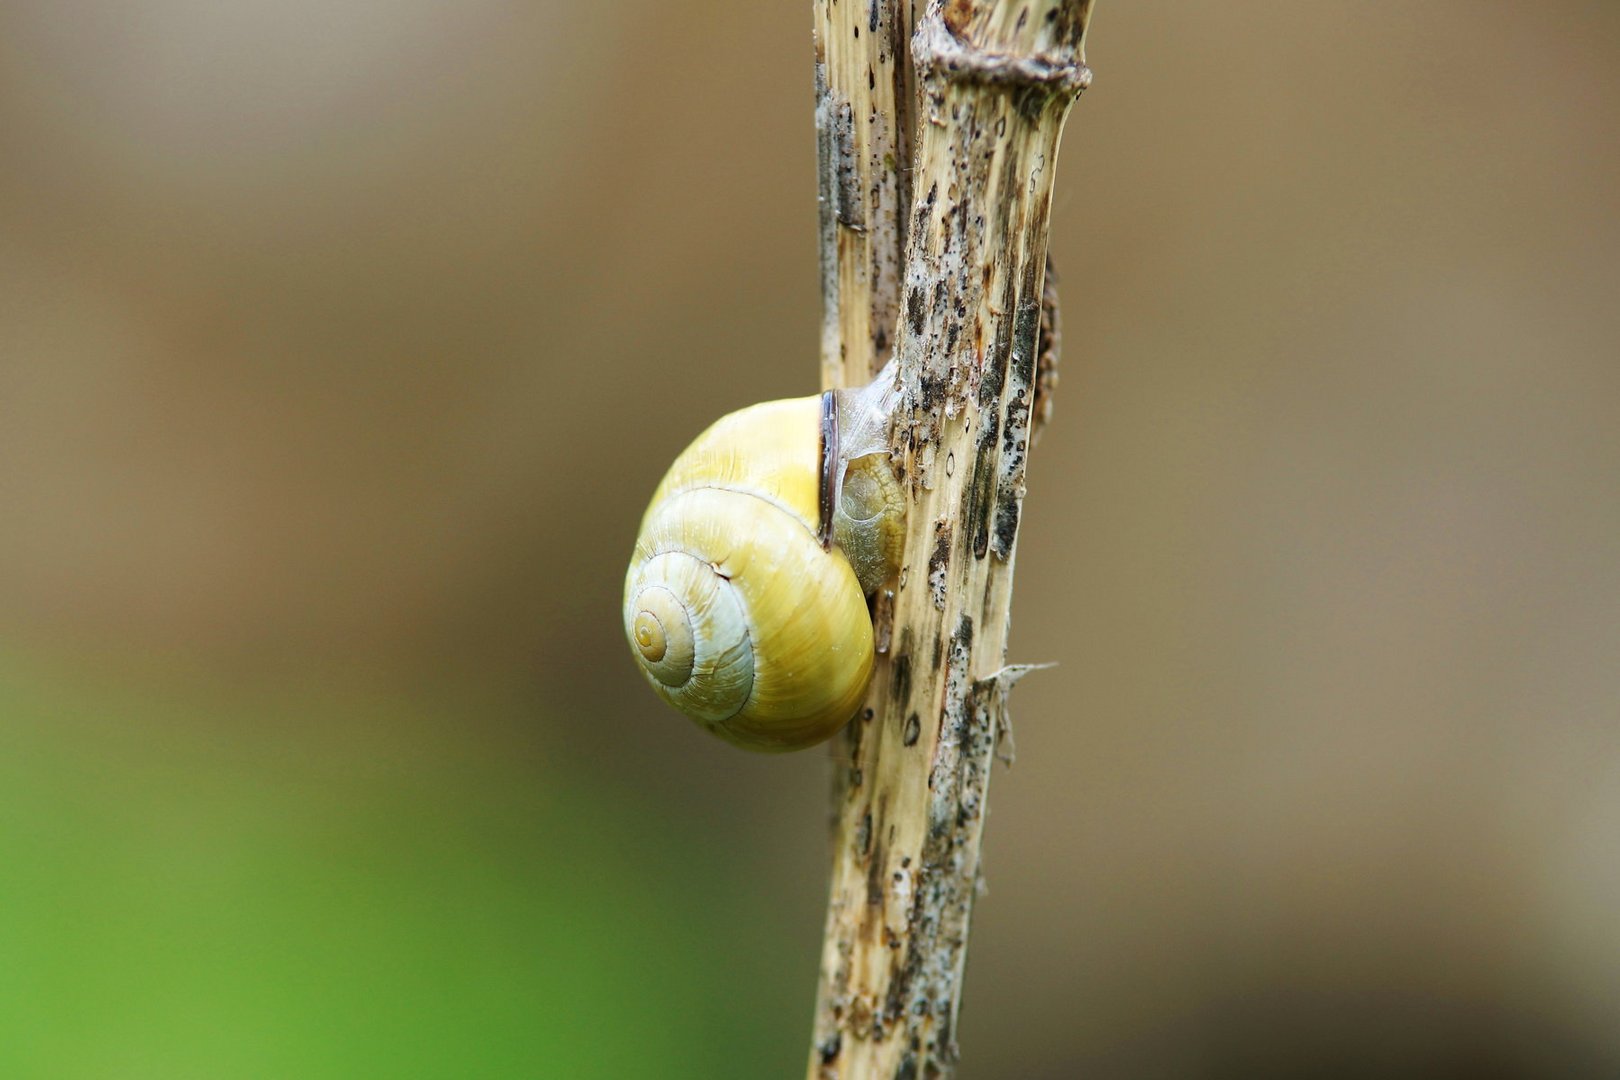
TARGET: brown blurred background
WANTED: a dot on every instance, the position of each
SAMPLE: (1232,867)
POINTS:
(341,344)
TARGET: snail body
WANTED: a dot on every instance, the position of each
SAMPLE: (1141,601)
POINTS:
(742,603)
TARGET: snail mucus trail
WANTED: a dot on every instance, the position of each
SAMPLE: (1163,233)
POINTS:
(745,601)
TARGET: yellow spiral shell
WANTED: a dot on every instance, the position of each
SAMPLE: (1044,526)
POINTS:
(735,612)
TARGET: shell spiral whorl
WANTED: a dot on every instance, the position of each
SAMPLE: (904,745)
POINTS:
(663,633)
(690,634)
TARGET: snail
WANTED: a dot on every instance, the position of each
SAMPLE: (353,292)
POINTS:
(745,601)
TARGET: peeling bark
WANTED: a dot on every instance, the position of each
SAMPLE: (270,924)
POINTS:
(970,318)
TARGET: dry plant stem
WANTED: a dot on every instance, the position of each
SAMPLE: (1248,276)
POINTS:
(995,80)
(865,113)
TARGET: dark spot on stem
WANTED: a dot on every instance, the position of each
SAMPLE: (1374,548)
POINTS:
(962,640)
(995,362)
(976,502)
(938,561)
(1008,507)
(1031,101)
(1027,324)
(874,878)
(915,310)
(900,688)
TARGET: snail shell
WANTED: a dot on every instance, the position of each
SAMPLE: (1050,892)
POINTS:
(739,608)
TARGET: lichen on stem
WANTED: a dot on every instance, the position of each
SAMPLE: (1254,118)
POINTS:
(963,309)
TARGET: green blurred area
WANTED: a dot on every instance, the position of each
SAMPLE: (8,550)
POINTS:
(351,890)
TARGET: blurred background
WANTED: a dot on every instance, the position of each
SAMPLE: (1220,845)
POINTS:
(341,344)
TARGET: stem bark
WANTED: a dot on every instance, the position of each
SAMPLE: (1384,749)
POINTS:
(994,82)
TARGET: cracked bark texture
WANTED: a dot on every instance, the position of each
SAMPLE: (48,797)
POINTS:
(964,310)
